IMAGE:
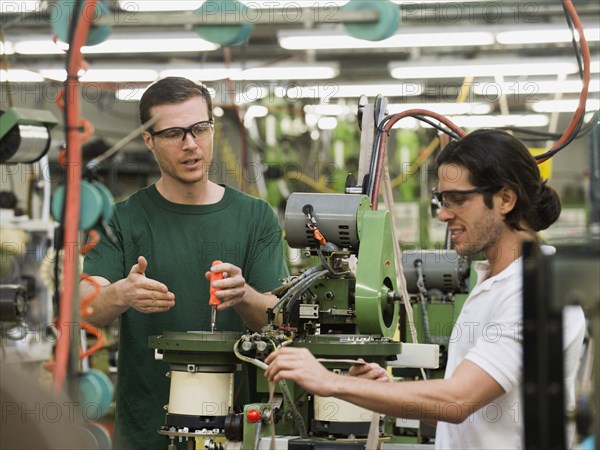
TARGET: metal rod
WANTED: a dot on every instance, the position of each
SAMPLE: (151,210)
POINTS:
(121,143)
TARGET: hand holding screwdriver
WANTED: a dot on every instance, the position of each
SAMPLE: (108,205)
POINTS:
(214,301)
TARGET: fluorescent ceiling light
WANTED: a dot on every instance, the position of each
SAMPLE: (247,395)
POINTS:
(238,93)
(151,44)
(283,4)
(119,75)
(20,75)
(431,2)
(372,90)
(550,106)
(484,121)
(105,75)
(257,111)
(253,112)
(486,68)
(121,43)
(511,120)
(325,91)
(40,46)
(406,37)
(527,89)
(327,110)
(210,73)
(319,71)
(129,94)
(311,120)
(443,108)
(157,5)
(339,39)
(54,74)
(6,48)
(192,5)
(248,94)
(327,123)
(543,34)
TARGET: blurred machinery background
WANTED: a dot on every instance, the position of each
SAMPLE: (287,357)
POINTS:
(303,92)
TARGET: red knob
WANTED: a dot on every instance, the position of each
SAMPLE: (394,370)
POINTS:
(253,415)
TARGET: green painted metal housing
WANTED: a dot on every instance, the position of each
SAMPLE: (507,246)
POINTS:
(376,276)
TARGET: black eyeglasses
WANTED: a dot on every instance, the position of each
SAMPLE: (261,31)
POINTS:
(198,130)
(453,198)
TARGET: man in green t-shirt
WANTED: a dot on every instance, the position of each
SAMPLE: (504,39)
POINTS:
(154,273)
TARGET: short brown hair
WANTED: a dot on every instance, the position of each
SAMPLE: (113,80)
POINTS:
(172,90)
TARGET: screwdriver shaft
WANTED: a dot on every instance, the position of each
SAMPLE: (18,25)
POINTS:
(213,318)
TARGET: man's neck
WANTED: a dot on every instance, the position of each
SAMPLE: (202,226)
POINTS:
(200,193)
(503,253)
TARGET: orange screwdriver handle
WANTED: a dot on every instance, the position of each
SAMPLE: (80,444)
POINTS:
(214,300)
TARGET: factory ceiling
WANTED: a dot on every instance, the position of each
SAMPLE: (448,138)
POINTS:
(421,61)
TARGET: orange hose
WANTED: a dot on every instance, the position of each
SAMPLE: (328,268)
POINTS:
(85,302)
(94,237)
(62,157)
(85,127)
(100,340)
(73,197)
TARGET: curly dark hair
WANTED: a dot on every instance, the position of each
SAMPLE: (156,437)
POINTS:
(496,158)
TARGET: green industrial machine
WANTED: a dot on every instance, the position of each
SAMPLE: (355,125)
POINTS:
(345,307)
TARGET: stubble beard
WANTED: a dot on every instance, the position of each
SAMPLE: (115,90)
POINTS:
(485,236)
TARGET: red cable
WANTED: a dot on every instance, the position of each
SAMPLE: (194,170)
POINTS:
(73,197)
(585,53)
(385,133)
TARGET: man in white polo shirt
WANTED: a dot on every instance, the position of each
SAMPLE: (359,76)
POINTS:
(492,197)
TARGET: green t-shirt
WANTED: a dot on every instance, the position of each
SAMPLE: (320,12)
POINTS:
(180,243)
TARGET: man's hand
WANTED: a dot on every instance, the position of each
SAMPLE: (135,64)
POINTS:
(144,294)
(370,371)
(301,367)
(232,286)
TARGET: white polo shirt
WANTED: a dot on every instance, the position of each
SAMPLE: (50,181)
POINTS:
(488,333)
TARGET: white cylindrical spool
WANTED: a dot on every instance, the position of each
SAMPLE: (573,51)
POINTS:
(32,143)
(329,409)
(201,393)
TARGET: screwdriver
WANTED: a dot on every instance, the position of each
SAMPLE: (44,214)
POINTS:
(214,301)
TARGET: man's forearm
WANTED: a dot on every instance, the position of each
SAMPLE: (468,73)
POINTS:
(421,400)
(253,310)
(450,400)
(105,308)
